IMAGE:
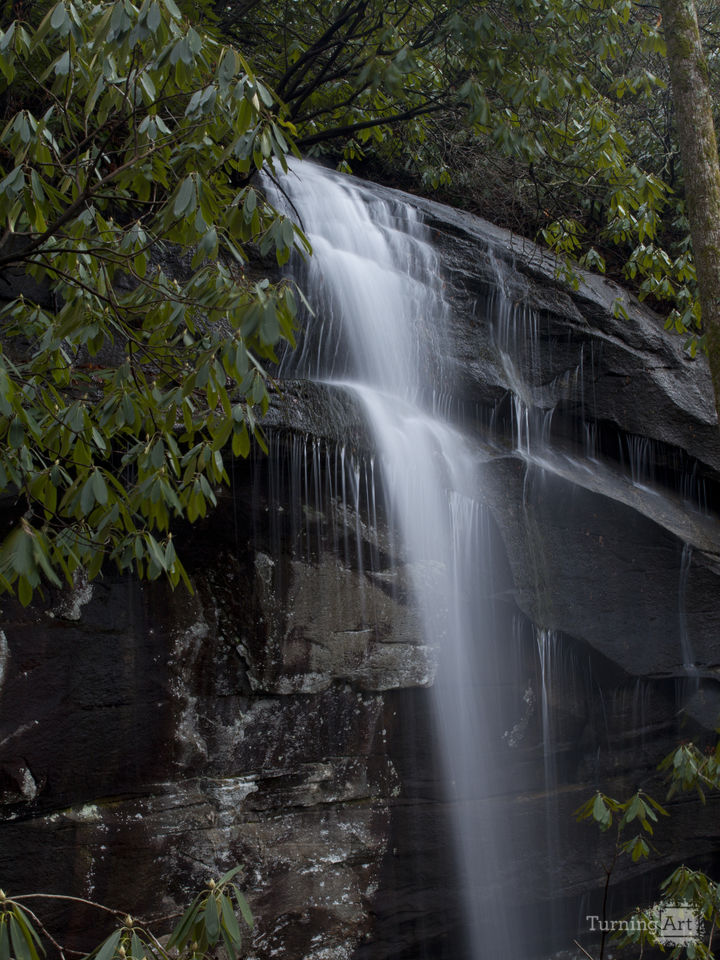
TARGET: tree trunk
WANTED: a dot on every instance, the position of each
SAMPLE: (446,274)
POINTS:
(698,150)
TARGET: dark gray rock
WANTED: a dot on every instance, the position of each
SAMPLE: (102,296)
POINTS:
(148,766)
(628,371)
(646,571)
(317,410)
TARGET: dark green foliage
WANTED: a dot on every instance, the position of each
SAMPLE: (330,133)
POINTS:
(550,116)
(210,921)
(134,359)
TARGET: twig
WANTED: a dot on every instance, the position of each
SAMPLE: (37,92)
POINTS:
(61,896)
(580,947)
(46,933)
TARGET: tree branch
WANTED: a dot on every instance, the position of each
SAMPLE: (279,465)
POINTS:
(334,132)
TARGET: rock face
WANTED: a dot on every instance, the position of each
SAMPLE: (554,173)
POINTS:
(280,717)
(634,376)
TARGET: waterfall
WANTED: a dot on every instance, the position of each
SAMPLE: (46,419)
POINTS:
(380,333)
(380,324)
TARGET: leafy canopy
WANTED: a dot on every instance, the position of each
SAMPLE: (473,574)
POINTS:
(134,357)
(549,116)
(133,332)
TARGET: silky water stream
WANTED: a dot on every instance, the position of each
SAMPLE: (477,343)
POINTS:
(379,333)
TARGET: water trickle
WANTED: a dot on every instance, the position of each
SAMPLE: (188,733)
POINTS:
(375,286)
(688,657)
(322,498)
(547,651)
(516,334)
(538,386)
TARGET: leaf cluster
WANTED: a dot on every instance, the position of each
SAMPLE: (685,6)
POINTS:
(210,921)
(134,356)
(606,811)
(687,769)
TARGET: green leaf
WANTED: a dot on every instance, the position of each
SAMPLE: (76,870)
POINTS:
(226,877)
(172,9)
(241,441)
(640,850)
(99,487)
(16,434)
(18,546)
(13,183)
(265,95)
(157,555)
(87,497)
(184,201)
(29,932)
(229,943)
(229,65)
(635,809)
(24,592)
(157,454)
(154,17)
(137,949)
(656,806)
(244,907)
(194,42)
(230,920)
(21,948)
(62,65)
(107,949)
(182,930)
(212,920)
(41,558)
(4,937)
(58,17)
(146,82)
(600,811)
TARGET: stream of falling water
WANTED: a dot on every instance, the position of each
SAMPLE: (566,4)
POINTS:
(375,286)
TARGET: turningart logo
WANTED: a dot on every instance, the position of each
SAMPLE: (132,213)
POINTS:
(677,924)
(669,923)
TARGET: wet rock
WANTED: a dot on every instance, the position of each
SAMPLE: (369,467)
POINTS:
(647,593)
(187,776)
(331,623)
(17,784)
(318,410)
(634,374)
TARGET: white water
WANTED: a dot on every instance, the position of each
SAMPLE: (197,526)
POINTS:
(374,284)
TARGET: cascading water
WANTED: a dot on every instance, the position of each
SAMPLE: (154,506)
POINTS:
(535,396)
(380,333)
(374,284)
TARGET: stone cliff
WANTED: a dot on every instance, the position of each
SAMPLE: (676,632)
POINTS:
(280,717)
